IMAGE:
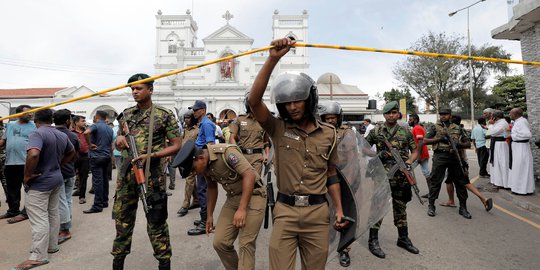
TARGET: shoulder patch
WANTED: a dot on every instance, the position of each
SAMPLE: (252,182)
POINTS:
(163,109)
(232,159)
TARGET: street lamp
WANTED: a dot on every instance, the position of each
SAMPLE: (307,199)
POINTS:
(470,62)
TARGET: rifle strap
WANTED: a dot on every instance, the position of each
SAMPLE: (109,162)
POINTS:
(149,147)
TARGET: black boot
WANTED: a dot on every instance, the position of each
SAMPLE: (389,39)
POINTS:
(200,228)
(431,209)
(373,244)
(344,258)
(118,264)
(463,211)
(165,265)
(404,241)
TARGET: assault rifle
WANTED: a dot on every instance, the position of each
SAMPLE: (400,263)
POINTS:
(269,193)
(137,167)
(454,149)
(403,168)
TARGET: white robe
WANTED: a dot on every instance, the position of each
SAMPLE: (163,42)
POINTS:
(499,168)
(521,176)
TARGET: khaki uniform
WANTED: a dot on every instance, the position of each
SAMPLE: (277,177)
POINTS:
(127,198)
(225,167)
(401,139)
(302,161)
(252,140)
(190,133)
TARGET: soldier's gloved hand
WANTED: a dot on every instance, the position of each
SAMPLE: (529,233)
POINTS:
(209,225)
(239,220)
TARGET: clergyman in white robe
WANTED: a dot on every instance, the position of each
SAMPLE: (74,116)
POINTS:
(521,175)
(500,153)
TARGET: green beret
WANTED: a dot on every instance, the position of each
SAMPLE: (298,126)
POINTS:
(390,106)
(445,111)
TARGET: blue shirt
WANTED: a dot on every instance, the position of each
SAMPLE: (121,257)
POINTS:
(116,153)
(101,135)
(52,144)
(16,137)
(478,134)
(207,133)
(68,169)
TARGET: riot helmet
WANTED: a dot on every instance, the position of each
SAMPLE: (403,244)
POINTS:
(331,107)
(190,114)
(290,87)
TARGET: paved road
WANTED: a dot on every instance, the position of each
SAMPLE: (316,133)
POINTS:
(494,240)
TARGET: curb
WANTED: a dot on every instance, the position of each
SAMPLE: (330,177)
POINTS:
(520,202)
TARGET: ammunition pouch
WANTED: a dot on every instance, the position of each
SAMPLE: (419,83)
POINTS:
(401,190)
(157,208)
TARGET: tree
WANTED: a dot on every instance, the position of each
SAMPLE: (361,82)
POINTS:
(396,95)
(512,90)
(433,79)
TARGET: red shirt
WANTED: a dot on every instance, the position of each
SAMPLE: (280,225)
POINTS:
(419,130)
(82,139)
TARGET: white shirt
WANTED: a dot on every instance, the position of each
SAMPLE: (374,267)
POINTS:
(498,129)
(520,130)
(368,129)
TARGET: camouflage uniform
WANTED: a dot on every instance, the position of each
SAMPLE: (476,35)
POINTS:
(126,199)
(3,162)
(401,190)
(444,159)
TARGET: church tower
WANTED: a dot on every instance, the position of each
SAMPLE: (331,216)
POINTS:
(174,33)
(294,27)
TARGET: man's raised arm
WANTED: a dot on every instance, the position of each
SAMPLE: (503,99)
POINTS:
(260,111)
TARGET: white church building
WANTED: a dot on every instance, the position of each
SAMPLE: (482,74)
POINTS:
(222,86)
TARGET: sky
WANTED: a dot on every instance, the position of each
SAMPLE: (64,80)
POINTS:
(100,43)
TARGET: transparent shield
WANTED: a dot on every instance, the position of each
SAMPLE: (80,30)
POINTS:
(369,184)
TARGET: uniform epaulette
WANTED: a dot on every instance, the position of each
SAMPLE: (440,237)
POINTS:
(159,107)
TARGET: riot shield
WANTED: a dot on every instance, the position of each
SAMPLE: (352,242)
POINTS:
(369,188)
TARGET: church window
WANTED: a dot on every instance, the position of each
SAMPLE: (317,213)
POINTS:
(172,48)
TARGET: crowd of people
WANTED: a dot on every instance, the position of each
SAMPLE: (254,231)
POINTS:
(52,163)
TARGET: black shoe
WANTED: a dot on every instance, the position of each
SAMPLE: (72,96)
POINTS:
(165,265)
(344,259)
(197,222)
(404,241)
(182,212)
(91,211)
(91,190)
(75,193)
(463,211)
(172,187)
(194,206)
(118,264)
(373,244)
(200,229)
(431,210)
(425,196)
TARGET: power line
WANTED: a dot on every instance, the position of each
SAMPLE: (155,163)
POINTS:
(60,69)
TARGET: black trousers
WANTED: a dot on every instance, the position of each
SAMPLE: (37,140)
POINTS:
(483,157)
(82,165)
(443,161)
(99,167)
(14,179)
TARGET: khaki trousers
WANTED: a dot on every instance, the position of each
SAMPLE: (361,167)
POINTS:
(226,233)
(190,191)
(305,228)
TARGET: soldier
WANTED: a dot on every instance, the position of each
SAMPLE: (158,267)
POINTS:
(305,166)
(444,158)
(191,130)
(402,139)
(332,114)
(243,212)
(151,125)
(252,139)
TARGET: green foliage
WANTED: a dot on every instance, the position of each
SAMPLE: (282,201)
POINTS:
(397,94)
(511,89)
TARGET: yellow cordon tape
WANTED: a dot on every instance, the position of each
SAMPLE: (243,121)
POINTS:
(324,46)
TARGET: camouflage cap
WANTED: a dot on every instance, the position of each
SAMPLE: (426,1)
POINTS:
(390,106)
(184,159)
(445,111)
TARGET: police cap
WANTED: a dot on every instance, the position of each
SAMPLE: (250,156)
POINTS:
(184,158)
(445,111)
(390,106)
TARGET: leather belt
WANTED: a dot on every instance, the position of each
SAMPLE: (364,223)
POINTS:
(521,141)
(301,200)
(251,151)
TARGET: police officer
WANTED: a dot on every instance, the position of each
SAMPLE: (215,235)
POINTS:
(401,139)
(251,138)
(151,125)
(444,158)
(243,211)
(331,113)
(305,166)
(191,130)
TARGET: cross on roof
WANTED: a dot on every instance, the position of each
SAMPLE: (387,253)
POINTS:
(227,16)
